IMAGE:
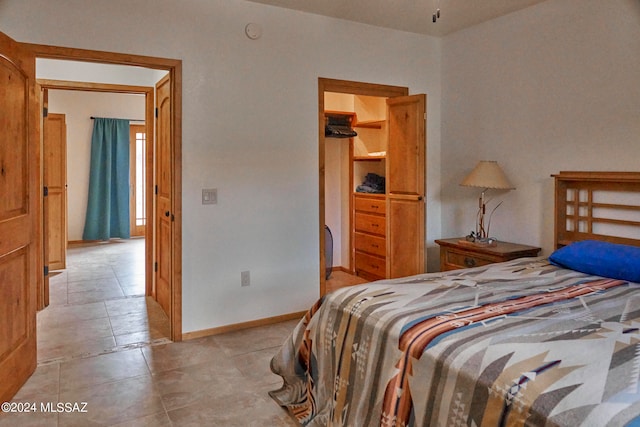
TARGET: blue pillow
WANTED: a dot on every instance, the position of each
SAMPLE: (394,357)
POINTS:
(604,259)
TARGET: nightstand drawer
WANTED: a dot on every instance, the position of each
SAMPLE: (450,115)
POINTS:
(370,205)
(371,264)
(371,244)
(461,260)
(370,224)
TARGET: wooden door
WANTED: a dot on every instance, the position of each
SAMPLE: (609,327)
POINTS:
(54,159)
(406,185)
(164,196)
(20,250)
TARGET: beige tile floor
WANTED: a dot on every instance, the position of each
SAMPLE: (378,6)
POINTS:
(102,342)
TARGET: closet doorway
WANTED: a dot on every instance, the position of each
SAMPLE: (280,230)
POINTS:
(410,127)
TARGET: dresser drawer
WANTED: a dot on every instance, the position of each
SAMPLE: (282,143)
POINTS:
(464,260)
(370,223)
(370,205)
(372,244)
(374,266)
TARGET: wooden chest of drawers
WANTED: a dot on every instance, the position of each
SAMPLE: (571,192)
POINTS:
(455,255)
(369,236)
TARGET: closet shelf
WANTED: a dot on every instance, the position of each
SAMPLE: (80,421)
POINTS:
(333,113)
(369,158)
(369,124)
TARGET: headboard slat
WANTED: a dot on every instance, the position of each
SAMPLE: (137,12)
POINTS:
(578,210)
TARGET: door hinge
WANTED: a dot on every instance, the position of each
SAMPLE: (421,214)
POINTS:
(156,189)
(45,112)
(45,191)
(46,270)
(173,217)
(156,112)
(155,266)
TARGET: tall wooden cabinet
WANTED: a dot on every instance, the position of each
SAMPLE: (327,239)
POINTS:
(388,230)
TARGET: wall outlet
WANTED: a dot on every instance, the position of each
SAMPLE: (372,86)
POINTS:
(245,279)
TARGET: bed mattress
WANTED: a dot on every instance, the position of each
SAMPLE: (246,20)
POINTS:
(521,343)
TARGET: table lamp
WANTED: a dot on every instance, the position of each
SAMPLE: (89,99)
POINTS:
(486,175)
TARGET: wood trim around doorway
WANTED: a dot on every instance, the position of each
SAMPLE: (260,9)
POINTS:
(354,88)
(174,67)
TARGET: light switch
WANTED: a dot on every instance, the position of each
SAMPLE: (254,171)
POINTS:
(209,196)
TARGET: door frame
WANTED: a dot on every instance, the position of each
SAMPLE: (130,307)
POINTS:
(352,88)
(174,67)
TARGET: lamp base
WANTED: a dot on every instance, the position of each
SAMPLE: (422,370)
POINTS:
(484,243)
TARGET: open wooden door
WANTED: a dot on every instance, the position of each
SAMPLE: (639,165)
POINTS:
(19,215)
(164,198)
(406,185)
(54,159)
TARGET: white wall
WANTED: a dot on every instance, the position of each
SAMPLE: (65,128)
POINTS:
(78,108)
(249,130)
(336,198)
(550,88)
(76,71)
(336,189)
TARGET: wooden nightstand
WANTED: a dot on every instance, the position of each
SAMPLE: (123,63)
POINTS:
(455,255)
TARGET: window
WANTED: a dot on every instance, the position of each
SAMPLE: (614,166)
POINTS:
(138,141)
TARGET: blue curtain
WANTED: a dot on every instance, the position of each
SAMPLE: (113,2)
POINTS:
(108,203)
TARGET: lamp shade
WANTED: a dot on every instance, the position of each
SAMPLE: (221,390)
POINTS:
(487,174)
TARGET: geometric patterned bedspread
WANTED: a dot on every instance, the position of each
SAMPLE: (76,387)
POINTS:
(521,343)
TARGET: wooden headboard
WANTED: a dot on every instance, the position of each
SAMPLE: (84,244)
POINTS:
(597,206)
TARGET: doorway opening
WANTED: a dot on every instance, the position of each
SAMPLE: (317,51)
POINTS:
(102,284)
(171,259)
(386,214)
(327,87)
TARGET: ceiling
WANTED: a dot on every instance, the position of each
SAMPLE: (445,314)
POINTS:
(414,16)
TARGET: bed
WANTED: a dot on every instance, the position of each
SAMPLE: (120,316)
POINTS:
(532,342)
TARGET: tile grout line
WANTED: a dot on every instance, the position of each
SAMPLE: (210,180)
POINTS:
(155,388)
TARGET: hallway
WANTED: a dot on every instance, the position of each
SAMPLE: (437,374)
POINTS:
(97,305)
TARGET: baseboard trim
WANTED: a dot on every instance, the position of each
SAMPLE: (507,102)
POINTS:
(92,242)
(81,242)
(244,325)
(346,270)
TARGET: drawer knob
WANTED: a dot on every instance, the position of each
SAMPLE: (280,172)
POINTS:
(470,262)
